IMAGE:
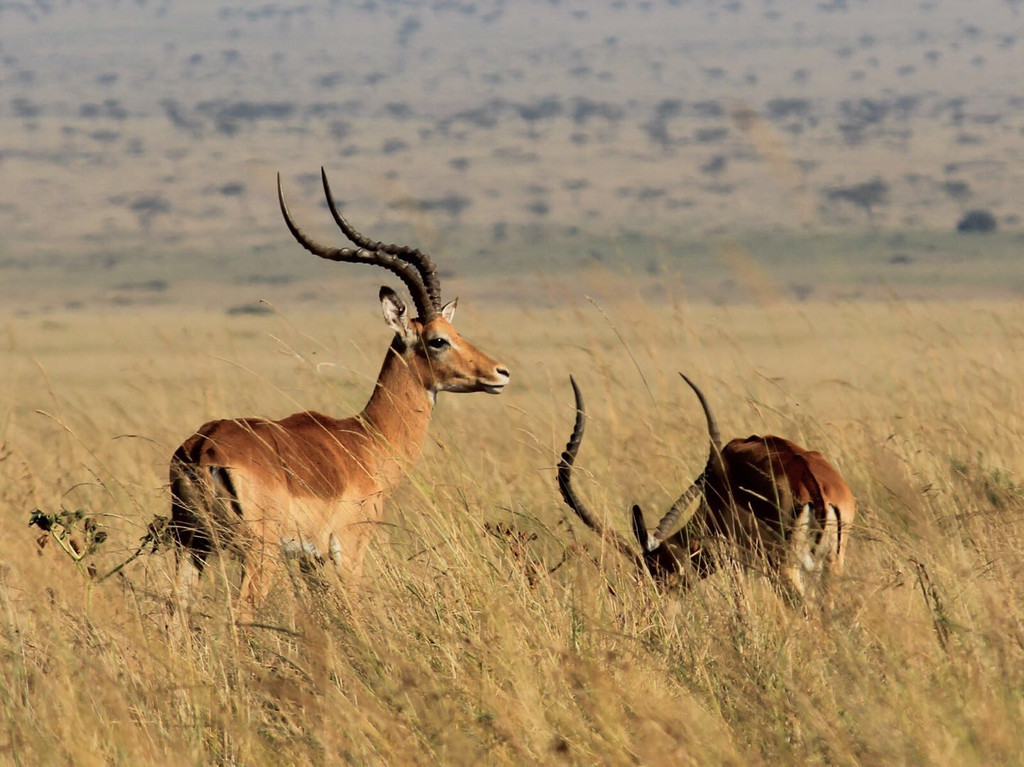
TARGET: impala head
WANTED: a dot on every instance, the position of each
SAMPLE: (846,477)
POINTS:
(441,358)
(661,556)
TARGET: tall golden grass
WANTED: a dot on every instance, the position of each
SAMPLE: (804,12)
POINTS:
(491,627)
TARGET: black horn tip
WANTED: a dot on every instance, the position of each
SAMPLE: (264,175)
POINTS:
(576,392)
(284,206)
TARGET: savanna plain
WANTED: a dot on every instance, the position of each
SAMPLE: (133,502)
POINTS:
(491,627)
(765,196)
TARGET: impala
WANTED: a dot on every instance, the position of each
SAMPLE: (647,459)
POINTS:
(311,486)
(777,502)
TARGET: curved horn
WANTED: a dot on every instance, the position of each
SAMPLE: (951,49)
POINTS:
(420,260)
(661,532)
(565,480)
(716,437)
(667,522)
(406,271)
(565,464)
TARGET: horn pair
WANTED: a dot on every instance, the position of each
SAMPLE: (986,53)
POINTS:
(412,266)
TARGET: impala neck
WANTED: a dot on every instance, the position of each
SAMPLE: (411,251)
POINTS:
(398,413)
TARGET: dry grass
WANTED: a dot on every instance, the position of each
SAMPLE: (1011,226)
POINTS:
(460,647)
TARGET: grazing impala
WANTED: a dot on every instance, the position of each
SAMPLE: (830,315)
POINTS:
(779,503)
(311,486)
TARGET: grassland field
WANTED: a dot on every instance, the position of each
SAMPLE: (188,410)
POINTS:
(492,628)
(764,196)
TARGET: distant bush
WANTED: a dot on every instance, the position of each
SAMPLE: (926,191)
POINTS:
(229,116)
(977,222)
(231,189)
(110,108)
(708,109)
(657,128)
(583,109)
(486,116)
(543,109)
(867,195)
(409,27)
(452,204)
(25,108)
(146,206)
(958,190)
(710,135)
(179,116)
(256,310)
(149,204)
(330,80)
(146,286)
(398,110)
(339,129)
(786,108)
(715,165)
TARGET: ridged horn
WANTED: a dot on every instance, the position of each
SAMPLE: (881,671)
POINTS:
(565,481)
(664,528)
(420,260)
(406,271)
(713,433)
(670,519)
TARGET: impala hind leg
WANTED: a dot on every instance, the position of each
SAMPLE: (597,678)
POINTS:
(188,567)
(791,582)
(192,544)
(797,556)
(832,554)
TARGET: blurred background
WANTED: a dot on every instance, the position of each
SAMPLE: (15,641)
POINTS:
(731,151)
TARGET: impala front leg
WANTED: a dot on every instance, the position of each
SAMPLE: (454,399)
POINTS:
(351,534)
(259,569)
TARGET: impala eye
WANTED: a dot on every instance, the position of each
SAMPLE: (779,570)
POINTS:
(438,343)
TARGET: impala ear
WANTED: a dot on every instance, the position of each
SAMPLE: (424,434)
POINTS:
(448,311)
(640,530)
(395,314)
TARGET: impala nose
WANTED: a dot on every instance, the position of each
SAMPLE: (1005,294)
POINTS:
(498,381)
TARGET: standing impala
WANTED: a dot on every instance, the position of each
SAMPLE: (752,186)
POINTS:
(777,502)
(310,485)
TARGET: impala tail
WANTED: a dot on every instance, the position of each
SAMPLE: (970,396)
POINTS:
(204,502)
